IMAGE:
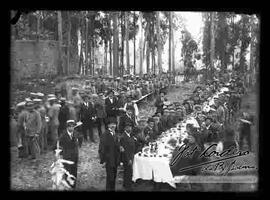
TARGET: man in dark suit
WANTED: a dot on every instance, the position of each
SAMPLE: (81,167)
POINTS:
(149,132)
(128,143)
(69,145)
(127,118)
(87,116)
(111,106)
(63,116)
(109,153)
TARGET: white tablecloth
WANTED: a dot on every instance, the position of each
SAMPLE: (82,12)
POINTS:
(152,168)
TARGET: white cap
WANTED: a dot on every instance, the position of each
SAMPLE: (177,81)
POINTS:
(51,95)
(27,99)
(37,100)
(70,121)
(40,94)
(51,98)
(33,94)
(21,104)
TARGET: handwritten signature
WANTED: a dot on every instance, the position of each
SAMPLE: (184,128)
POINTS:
(217,165)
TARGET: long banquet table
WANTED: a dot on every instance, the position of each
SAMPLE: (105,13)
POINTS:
(156,166)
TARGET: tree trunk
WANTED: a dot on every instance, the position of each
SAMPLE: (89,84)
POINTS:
(141,46)
(159,44)
(105,58)
(173,46)
(69,42)
(127,42)
(38,26)
(81,49)
(122,44)
(233,44)
(252,49)
(110,49)
(60,40)
(115,45)
(170,42)
(134,44)
(146,38)
(148,58)
(86,47)
(93,58)
(212,46)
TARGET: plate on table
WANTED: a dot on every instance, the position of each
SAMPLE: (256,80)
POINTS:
(146,150)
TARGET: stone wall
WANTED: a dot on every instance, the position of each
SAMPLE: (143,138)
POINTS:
(35,59)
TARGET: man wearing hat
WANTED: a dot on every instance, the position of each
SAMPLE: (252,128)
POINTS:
(63,116)
(20,128)
(149,133)
(69,145)
(128,143)
(160,102)
(32,128)
(111,105)
(43,133)
(100,111)
(109,153)
(53,114)
(134,106)
(88,116)
(128,117)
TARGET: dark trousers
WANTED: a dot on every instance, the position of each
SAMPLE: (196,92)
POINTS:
(99,122)
(127,176)
(111,172)
(88,127)
(72,169)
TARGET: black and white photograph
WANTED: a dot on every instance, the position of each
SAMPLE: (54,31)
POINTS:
(131,101)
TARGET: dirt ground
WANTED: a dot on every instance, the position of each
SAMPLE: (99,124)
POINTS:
(29,175)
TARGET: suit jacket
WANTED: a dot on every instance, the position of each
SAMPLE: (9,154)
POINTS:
(87,113)
(111,108)
(63,116)
(109,149)
(128,143)
(100,109)
(69,147)
(126,120)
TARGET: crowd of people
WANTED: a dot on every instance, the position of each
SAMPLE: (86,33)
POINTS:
(38,122)
(42,120)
